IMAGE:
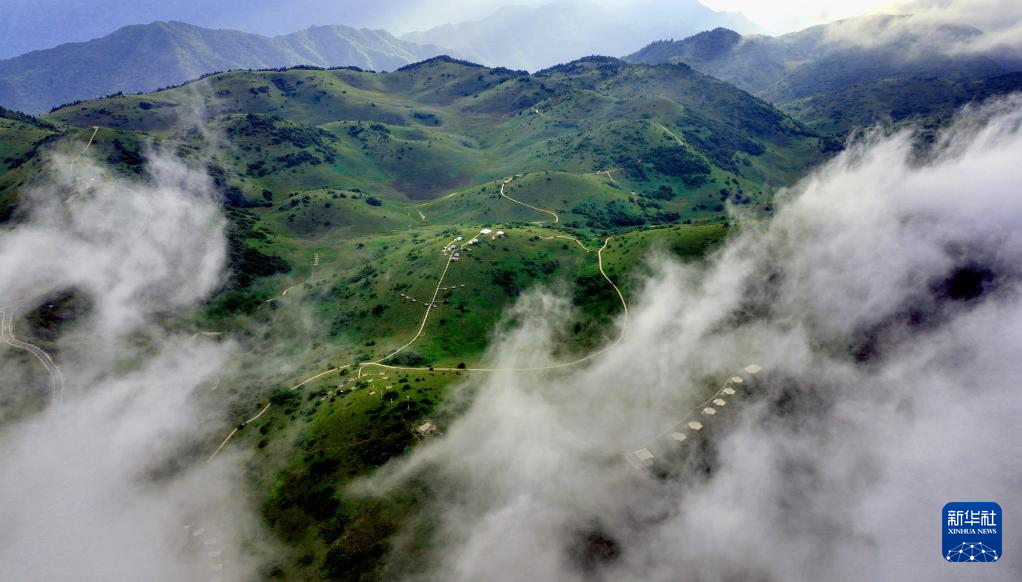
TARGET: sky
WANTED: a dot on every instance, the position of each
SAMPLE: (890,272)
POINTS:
(36,24)
(780,16)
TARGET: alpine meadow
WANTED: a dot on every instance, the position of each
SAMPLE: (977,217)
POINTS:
(341,291)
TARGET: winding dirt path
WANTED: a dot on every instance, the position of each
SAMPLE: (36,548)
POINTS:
(425,319)
(447,266)
(609,174)
(551,117)
(236,429)
(502,193)
(71,167)
(231,435)
(669,132)
(429,308)
(95,130)
(7,337)
(624,326)
(7,315)
(315,263)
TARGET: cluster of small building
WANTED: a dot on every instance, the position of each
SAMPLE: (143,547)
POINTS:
(644,457)
(355,386)
(453,247)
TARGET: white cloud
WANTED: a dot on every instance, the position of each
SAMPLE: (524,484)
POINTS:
(996,16)
(790,15)
(108,484)
(884,303)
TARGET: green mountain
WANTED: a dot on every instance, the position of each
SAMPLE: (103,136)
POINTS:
(161,54)
(342,187)
(324,159)
(441,125)
(852,73)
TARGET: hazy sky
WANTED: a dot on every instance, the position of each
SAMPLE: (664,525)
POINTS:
(35,24)
(775,16)
(779,16)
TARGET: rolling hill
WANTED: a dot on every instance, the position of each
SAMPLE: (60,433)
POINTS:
(437,126)
(321,160)
(344,189)
(850,73)
(147,57)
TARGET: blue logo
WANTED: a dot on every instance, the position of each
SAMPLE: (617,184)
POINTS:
(972,532)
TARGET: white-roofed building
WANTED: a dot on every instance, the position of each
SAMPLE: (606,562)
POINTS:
(641,458)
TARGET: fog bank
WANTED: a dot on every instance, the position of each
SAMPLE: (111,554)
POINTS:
(883,303)
(101,484)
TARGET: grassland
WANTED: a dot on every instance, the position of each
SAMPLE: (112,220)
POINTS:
(343,189)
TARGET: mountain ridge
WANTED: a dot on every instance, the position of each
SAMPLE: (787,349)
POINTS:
(163,53)
(829,75)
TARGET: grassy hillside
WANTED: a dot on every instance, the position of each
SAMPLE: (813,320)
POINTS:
(442,125)
(344,190)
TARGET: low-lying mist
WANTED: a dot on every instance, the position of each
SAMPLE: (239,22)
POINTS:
(882,301)
(930,27)
(101,485)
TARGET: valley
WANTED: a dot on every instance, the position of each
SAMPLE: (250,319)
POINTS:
(383,290)
(381,227)
(387,236)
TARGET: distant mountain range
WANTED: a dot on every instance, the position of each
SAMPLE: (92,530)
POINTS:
(536,37)
(833,77)
(147,57)
(850,73)
(27,25)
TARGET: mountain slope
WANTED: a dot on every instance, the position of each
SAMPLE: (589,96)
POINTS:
(534,37)
(441,125)
(816,72)
(343,186)
(146,57)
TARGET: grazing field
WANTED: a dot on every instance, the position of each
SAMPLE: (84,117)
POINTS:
(380,227)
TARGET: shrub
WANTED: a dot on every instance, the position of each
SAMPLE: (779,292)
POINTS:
(409,359)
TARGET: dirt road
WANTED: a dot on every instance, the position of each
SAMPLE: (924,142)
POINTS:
(7,337)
